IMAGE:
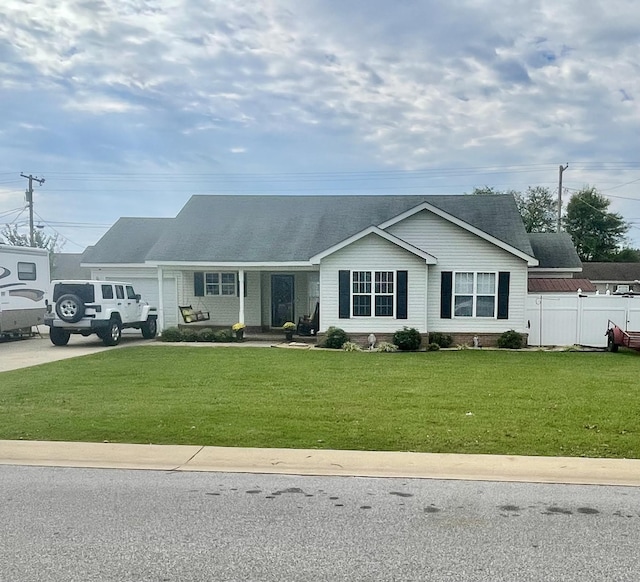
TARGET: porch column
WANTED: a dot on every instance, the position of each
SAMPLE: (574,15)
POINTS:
(160,299)
(241,283)
(426,303)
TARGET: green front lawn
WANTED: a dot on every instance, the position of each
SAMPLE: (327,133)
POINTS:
(525,403)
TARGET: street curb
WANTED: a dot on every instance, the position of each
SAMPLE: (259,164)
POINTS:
(386,464)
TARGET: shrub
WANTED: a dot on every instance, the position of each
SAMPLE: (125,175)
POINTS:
(511,339)
(190,335)
(171,334)
(351,347)
(206,335)
(386,347)
(335,339)
(223,335)
(442,339)
(433,347)
(407,339)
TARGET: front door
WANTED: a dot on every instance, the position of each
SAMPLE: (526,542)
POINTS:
(282,299)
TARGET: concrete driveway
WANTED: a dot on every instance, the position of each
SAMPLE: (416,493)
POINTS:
(22,353)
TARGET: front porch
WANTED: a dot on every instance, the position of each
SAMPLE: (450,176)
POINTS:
(264,300)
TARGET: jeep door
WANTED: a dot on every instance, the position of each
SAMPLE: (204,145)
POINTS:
(133,305)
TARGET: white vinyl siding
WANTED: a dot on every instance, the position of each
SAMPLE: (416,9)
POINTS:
(372,254)
(224,310)
(458,250)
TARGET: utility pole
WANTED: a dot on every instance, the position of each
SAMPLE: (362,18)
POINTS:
(562,169)
(29,197)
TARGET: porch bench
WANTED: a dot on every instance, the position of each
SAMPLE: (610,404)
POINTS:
(190,315)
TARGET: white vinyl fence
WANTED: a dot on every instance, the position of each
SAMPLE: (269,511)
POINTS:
(565,320)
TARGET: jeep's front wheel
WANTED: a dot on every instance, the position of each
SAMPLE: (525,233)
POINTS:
(70,308)
(149,328)
(112,334)
(59,337)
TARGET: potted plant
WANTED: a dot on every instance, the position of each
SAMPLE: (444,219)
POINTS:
(238,329)
(289,327)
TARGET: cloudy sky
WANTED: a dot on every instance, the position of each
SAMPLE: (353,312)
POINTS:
(128,107)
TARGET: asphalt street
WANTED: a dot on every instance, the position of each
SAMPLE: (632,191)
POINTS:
(67,524)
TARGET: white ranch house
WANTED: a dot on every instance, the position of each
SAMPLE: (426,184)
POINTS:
(454,264)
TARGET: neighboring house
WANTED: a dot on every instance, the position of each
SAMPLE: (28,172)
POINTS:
(559,269)
(613,277)
(454,264)
(67,266)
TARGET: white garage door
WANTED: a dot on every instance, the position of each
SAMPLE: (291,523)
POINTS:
(148,288)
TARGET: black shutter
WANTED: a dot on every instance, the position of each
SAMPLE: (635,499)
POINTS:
(401,297)
(446,287)
(344,295)
(198,284)
(503,295)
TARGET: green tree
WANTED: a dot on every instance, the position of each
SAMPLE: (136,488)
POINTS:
(627,255)
(538,209)
(10,235)
(537,206)
(597,233)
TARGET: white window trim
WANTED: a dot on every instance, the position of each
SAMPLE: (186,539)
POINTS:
(372,294)
(220,284)
(474,295)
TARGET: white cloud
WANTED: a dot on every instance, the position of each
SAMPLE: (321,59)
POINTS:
(325,82)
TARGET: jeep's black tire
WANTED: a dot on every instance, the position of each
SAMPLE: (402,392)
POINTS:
(59,337)
(70,308)
(113,333)
(149,328)
(611,344)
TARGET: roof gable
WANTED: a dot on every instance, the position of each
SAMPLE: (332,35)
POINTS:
(428,258)
(531,261)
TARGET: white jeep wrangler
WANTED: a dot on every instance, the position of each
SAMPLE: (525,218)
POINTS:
(100,307)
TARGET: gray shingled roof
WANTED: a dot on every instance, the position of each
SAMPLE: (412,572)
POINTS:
(129,240)
(294,228)
(554,250)
(286,228)
(612,272)
(67,266)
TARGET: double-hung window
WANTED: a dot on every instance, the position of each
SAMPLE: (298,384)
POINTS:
(475,294)
(372,291)
(220,284)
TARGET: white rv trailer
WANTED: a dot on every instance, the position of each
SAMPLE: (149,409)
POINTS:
(24,288)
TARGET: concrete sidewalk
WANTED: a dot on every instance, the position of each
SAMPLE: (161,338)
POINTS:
(570,470)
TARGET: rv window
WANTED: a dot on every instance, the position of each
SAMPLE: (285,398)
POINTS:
(27,271)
